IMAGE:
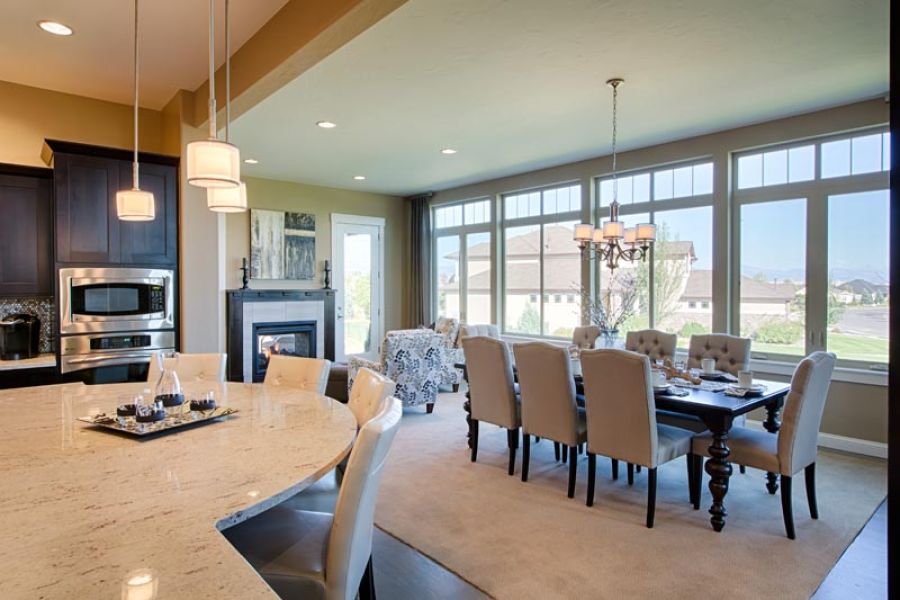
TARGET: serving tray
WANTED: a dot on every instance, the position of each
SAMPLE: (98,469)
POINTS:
(187,419)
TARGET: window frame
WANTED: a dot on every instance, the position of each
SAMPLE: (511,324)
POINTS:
(816,192)
(461,232)
(535,220)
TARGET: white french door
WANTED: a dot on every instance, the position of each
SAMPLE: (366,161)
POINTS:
(357,251)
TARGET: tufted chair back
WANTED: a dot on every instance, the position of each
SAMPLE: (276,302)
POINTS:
(308,374)
(490,331)
(657,345)
(492,392)
(732,353)
(189,367)
(585,337)
(547,388)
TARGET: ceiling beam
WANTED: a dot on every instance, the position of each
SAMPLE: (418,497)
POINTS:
(299,36)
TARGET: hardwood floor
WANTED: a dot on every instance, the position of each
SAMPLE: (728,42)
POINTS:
(862,570)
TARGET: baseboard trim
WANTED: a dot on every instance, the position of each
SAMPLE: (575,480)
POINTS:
(841,442)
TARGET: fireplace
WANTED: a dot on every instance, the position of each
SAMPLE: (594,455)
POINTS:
(289,338)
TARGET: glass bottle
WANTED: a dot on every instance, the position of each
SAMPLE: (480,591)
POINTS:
(168,388)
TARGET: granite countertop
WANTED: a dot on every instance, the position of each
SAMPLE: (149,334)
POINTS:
(84,513)
(47,359)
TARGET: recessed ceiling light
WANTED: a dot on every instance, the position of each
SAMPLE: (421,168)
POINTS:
(326,124)
(448,151)
(55,28)
(251,161)
(359,177)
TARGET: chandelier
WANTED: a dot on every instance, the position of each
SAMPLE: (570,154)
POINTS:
(614,241)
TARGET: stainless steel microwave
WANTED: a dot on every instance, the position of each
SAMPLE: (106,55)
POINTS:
(115,299)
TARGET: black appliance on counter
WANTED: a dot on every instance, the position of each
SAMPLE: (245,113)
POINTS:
(19,336)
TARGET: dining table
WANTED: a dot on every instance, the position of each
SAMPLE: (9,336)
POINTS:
(718,411)
(90,513)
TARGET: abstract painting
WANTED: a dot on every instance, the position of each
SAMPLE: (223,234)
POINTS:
(282,245)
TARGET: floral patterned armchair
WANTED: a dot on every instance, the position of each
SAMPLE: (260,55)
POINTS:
(414,359)
(448,328)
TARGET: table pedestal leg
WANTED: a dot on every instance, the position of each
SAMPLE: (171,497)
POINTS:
(467,406)
(719,470)
(772,425)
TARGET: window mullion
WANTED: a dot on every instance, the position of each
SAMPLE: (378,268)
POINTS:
(817,291)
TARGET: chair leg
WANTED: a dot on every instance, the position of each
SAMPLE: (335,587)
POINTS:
(787,508)
(592,477)
(810,473)
(698,479)
(473,427)
(615,469)
(630,474)
(637,468)
(689,459)
(512,440)
(564,453)
(743,469)
(429,408)
(556,450)
(455,388)
(367,583)
(526,454)
(573,469)
(651,496)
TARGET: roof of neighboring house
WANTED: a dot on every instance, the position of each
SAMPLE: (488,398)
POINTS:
(699,287)
(861,286)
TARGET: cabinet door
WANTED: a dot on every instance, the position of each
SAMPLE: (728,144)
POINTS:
(25,236)
(87,230)
(152,242)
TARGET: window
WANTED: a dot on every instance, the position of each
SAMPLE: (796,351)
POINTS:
(858,299)
(773,276)
(664,291)
(542,263)
(462,261)
(777,167)
(868,153)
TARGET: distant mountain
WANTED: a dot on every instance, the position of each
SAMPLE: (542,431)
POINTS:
(796,275)
(838,274)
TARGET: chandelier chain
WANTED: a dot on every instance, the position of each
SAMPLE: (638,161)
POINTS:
(134,167)
(615,88)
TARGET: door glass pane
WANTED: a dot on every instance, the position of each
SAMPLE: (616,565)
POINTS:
(773,276)
(858,297)
(562,280)
(358,293)
(682,272)
(478,278)
(522,277)
(448,276)
(625,292)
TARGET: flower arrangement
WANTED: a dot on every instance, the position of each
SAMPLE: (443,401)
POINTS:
(614,305)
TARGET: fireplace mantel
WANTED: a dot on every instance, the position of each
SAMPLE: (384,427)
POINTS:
(238,300)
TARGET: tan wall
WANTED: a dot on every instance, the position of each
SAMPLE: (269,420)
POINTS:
(323,201)
(29,115)
(853,410)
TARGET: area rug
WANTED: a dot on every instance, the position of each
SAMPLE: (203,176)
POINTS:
(528,540)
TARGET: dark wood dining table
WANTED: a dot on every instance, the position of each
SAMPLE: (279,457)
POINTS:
(718,411)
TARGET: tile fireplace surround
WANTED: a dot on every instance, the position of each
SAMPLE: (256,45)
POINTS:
(248,307)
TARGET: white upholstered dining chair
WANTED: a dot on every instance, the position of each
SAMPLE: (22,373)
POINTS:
(305,554)
(308,374)
(189,367)
(492,393)
(731,353)
(549,408)
(657,345)
(794,447)
(621,419)
(586,337)
(368,393)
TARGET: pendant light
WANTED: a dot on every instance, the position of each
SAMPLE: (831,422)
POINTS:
(135,204)
(233,199)
(212,163)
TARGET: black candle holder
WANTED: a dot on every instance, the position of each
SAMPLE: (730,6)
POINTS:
(245,275)
(327,285)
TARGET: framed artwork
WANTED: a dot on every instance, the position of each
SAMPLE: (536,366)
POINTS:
(282,244)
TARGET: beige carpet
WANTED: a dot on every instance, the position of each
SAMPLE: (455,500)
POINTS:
(527,540)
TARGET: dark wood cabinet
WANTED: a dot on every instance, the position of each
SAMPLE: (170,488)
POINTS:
(26,229)
(86,179)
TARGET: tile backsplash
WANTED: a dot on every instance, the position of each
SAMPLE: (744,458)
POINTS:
(42,308)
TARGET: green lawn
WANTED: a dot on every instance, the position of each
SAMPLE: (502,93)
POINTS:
(847,347)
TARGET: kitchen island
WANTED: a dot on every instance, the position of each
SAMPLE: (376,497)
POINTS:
(88,513)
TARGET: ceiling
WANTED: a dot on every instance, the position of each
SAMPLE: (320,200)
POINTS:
(97,60)
(516,85)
